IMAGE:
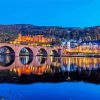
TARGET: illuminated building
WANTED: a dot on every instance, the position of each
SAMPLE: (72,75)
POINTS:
(90,47)
(33,39)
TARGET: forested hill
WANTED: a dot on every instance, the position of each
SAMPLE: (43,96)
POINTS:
(10,32)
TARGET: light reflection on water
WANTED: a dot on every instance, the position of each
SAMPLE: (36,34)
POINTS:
(65,78)
(50,69)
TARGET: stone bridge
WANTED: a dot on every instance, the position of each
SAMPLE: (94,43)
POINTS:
(33,50)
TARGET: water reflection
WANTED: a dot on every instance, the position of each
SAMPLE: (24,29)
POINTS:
(26,59)
(26,69)
(42,59)
(6,60)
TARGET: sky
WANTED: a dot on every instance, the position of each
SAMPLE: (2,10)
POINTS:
(66,13)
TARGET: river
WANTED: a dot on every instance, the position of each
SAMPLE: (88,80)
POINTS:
(49,78)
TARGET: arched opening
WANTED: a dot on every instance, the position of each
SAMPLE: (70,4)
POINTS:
(6,50)
(6,60)
(42,59)
(26,52)
(26,59)
(42,52)
(54,53)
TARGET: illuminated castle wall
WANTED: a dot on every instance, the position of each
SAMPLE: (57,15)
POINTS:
(32,39)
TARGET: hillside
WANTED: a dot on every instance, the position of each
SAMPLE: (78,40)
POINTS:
(10,32)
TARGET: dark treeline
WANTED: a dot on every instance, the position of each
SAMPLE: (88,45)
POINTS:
(10,32)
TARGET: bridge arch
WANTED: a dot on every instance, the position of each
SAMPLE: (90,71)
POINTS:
(26,51)
(42,60)
(6,60)
(42,52)
(54,53)
(7,50)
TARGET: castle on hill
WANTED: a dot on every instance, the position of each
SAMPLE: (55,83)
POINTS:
(32,39)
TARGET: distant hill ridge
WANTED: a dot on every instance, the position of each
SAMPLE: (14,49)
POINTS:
(10,32)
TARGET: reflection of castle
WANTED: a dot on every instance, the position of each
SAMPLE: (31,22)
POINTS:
(32,39)
(30,70)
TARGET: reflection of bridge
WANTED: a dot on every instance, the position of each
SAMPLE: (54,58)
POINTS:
(36,61)
(68,69)
(39,65)
(23,61)
(34,50)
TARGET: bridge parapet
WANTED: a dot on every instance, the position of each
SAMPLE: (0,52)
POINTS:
(35,49)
